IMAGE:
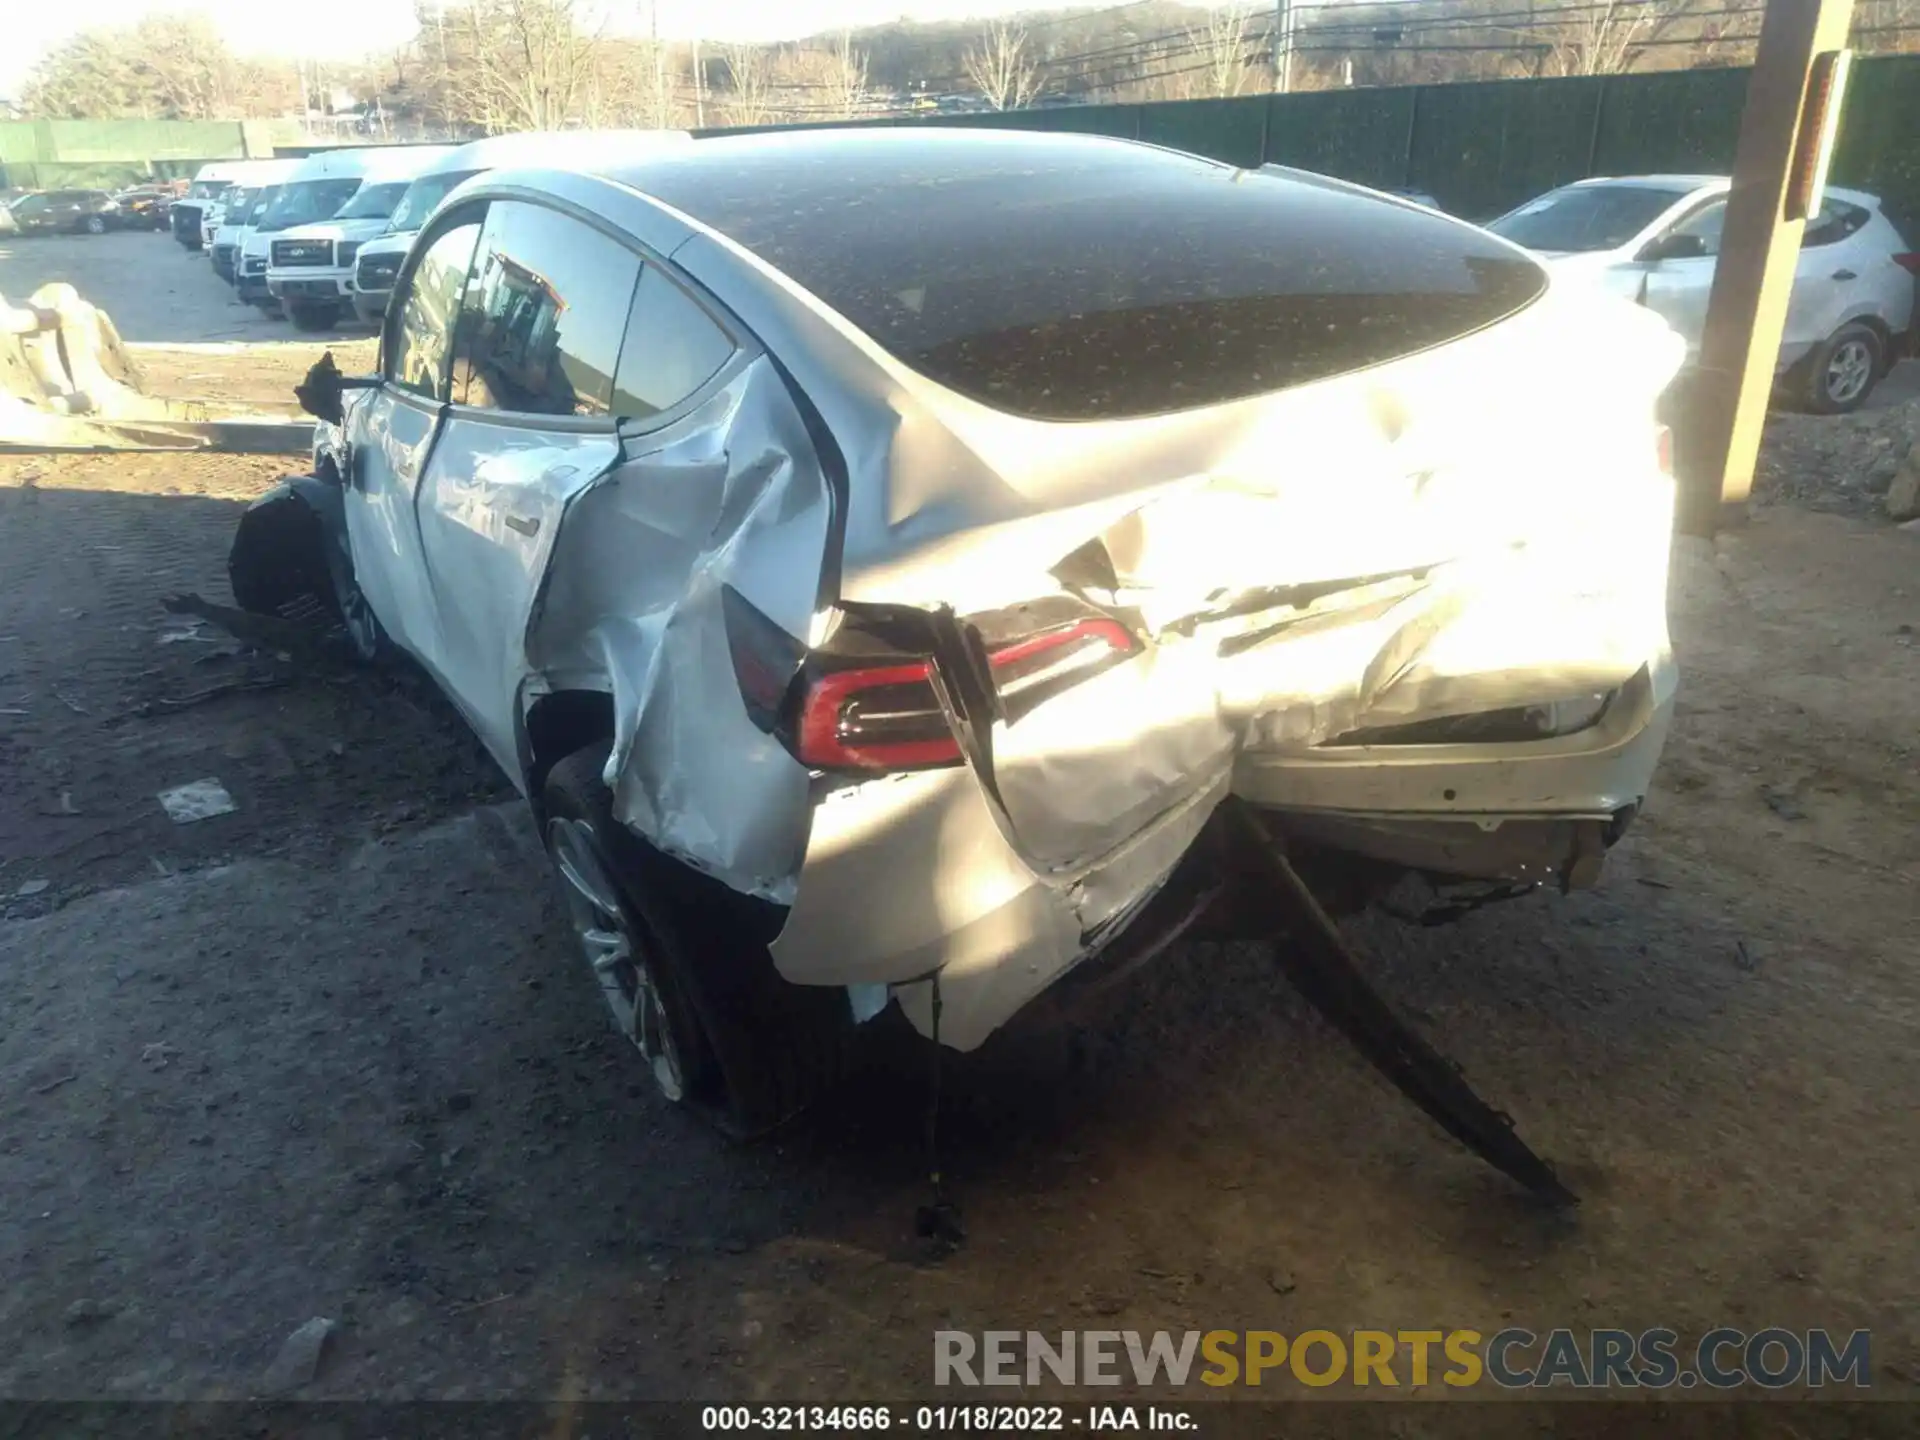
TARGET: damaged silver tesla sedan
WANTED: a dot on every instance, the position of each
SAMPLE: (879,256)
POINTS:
(877,554)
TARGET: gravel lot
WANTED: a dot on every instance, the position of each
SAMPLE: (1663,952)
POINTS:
(329,1056)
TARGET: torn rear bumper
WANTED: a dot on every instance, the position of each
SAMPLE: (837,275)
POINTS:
(915,874)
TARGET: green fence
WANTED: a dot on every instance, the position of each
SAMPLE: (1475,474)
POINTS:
(1480,149)
(47,154)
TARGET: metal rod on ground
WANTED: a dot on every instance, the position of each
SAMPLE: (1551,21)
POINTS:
(1779,168)
(1317,961)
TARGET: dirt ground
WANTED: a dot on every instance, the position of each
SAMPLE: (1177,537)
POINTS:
(157,292)
(329,1055)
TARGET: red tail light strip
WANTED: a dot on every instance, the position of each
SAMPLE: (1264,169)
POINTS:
(819,735)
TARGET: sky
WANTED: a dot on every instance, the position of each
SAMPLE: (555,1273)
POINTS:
(354,27)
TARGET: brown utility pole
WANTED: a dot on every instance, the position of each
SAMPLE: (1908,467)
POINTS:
(1779,170)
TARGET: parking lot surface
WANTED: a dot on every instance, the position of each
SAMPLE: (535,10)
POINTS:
(330,1055)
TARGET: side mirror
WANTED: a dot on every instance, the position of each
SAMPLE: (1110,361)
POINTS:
(1675,247)
(320,394)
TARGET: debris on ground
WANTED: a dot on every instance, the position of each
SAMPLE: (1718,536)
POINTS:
(1903,491)
(1782,803)
(299,1359)
(163,704)
(87,1312)
(67,382)
(196,800)
(31,887)
(1865,465)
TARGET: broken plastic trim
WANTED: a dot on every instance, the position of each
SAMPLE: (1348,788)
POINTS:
(1315,956)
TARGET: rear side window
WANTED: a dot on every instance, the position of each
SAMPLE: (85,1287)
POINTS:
(672,348)
(540,330)
(1904,225)
(423,338)
(1837,220)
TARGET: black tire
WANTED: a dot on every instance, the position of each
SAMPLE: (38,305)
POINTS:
(277,564)
(96,225)
(308,315)
(1828,381)
(758,1049)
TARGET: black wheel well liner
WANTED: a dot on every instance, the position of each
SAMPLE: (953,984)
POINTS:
(557,724)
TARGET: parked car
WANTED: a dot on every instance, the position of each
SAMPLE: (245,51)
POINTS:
(378,260)
(879,612)
(144,207)
(310,260)
(1655,239)
(66,212)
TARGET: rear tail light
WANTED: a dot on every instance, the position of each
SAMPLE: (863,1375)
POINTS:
(836,709)
(1909,262)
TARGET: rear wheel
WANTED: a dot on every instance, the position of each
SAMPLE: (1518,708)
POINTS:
(312,315)
(687,980)
(96,225)
(1841,373)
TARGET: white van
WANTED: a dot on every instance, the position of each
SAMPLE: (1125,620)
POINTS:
(379,259)
(224,218)
(291,258)
(209,182)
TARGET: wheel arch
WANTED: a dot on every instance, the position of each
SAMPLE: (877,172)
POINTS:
(555,725)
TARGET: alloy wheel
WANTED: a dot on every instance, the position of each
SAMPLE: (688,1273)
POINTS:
(616,950)
(1848,370)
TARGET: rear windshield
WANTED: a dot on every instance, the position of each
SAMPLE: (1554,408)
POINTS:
(1583,218)
(425,193)
(374,202)
(1078,280)
(306,201)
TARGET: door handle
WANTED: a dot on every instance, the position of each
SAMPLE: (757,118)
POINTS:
(1845,275)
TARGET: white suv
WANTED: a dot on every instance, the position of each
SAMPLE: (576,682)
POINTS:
(1656,238)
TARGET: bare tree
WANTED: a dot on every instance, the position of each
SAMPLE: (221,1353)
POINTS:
(166,67)
(1221,45)
(533,62)
(750,85)
(1000,67)
(846,78)
(1603,39)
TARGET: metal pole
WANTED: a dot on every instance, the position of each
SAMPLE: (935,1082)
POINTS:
(1282,44)
(659,70)
(699,88)
(1779,167)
